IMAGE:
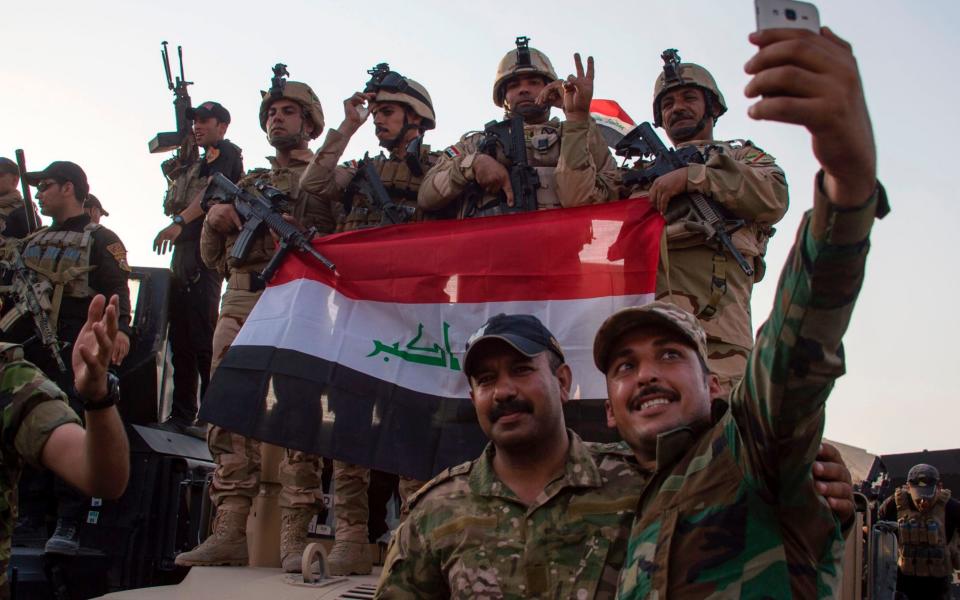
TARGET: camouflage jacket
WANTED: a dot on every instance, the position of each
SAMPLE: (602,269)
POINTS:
(731,511)
(469,536)
(32,407)
(331,181)
(572,159)
(307,209)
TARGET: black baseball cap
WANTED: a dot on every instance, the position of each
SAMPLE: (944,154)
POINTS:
(923,480)
(62,171)
(8,167)
(94,202)
(209,109)
(524,332)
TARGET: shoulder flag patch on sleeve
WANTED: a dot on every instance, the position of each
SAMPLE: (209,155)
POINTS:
(119,254)
(452,152)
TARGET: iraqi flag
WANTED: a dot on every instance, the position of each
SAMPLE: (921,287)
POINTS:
(365,364)
(612,120)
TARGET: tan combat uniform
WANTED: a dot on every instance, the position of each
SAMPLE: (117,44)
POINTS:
(694,275)
(236,479)
(572,159)
(330,181)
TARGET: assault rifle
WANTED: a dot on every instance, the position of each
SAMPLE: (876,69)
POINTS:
(699,212)
(367,182)
(524,180)
(258,210)
(29,295)
(30,211)
(182,139)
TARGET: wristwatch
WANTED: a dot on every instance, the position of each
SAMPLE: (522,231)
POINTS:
(111,399)
(178,220)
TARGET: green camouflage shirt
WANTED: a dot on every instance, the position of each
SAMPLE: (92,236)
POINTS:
(33,406)
(469,536)
(731,511)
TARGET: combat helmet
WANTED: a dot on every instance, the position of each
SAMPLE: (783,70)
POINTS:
(676,74)
(300,93)
(522,60)
(390,86)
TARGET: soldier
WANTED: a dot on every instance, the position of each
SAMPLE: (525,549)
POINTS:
(928,519)
(402,112)
(13,220)
(40,429)
(195,288)
(697,275)
(292,116)
(540,513)
(730,507)
(94,209)
(572,160)
(75,259)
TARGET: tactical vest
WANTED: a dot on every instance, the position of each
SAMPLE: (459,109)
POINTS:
(307,209)
(63,259)
(184,189)
(923,548)
(543,154)
(402,186)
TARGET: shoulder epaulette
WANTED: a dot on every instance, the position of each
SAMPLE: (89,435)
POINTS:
(442,477)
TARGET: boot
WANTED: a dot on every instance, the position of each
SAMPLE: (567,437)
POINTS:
(293,536)
(349,558)
(227,545)
(65,539)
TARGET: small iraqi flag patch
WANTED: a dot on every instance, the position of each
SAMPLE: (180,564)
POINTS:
(452,152)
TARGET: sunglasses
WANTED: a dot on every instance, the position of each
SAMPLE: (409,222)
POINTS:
(43,185)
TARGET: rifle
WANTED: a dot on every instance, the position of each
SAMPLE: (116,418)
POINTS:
(258,210)
(30,211)
(367,182)
(701,213)
(30,296)
(182,139)
(524,179)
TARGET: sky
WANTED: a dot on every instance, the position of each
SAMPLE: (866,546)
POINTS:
(84,82)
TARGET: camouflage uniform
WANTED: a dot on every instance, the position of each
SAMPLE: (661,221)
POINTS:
(236,480)
(572,159)
(12,215)
(33,406)
(469,536)
(731,511)
(695,276)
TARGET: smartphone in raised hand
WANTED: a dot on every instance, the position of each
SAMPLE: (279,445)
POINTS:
(789,14)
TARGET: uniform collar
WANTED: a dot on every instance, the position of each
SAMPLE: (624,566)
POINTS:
(81,221)
(580,471)
(297,157)
(674,444)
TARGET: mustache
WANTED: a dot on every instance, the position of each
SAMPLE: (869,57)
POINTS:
(378,130)
(509,407)
(680,115)
(649,390)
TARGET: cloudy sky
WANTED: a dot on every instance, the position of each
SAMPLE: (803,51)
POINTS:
(83,82)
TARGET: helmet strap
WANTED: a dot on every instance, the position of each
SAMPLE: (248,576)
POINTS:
(395,142)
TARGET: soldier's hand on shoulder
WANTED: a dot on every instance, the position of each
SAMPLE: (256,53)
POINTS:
(224,218)
(578,91)
(813,80)
(492,176)
(666,187)
(834,482)
(355,112)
